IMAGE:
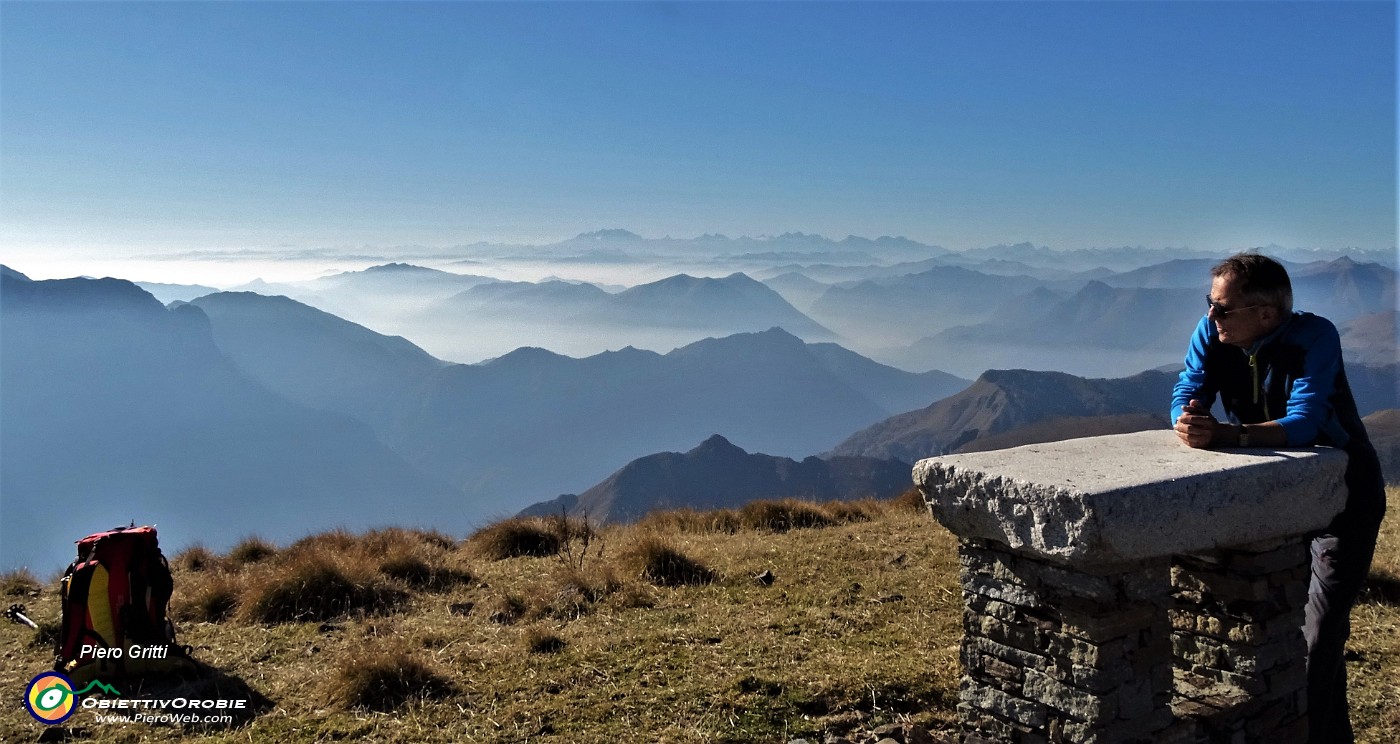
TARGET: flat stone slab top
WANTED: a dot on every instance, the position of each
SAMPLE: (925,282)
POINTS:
(1130,497)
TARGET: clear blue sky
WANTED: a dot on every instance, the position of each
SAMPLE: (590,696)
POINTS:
(139,127)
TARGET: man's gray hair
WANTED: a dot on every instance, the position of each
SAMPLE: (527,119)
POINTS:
(1262,279)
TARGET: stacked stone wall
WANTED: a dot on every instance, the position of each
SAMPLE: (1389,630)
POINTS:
(1237,639)
(1129,589)
(1055,654)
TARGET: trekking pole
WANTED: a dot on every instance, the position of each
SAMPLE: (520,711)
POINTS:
(16,614)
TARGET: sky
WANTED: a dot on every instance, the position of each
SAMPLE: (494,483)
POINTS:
(134,129)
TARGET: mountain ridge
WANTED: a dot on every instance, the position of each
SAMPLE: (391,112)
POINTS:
(1000,401)
(717,474)
(116,401)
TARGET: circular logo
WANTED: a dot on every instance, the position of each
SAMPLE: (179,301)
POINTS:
(49,698)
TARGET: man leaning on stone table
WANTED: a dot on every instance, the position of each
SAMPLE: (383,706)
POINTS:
(1280,380)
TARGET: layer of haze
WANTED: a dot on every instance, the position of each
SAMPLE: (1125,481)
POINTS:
(352,130)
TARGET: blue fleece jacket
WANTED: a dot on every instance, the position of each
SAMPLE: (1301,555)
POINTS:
(1293,376)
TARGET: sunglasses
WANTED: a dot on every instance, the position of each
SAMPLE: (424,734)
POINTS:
(1223,312)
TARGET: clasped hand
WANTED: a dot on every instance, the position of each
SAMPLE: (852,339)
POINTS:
(1195,426)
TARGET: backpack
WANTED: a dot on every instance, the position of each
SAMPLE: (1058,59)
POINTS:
(114,598)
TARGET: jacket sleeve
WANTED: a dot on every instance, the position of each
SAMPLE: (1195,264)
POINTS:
(1193,381)
(1309,406)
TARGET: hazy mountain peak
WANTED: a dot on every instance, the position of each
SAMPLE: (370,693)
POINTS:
(740,277)
(10,273)
(243,296)
(687,282)
(609,234)
(1002,400)
(626,353)
(894,241)
(80,294)
(674,280)
(1095,287)
(718,474)
(404,268)
(750,344)
(799,237)
(1023,377)
(716,445)
(525,356)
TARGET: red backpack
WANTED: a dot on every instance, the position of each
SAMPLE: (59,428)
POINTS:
(114,598)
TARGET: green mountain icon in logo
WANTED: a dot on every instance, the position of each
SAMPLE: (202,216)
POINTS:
(110,690)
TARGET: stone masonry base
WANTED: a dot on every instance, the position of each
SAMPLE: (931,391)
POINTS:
(1237,639)
(1053,654)
(1200,649)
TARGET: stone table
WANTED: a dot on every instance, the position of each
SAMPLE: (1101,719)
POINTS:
(1128,588)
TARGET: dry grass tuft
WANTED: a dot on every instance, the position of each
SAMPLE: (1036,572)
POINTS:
(385,681)
(316,587)
(657,562)
(541,641)
(317,578)
(718,521)
(516,538)
(338,540)
(18,583)
(911,501)
(212,598)
(399,539)
(46,635)
(506,609)
(852,512)
(783,515)
(251,550)
(424,573)
(633,596)
(196,558)
(770,515)
(573,593)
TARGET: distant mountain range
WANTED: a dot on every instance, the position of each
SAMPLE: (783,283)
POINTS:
(1371,339)
(1096,315)
(1344,289)
(1000,307)
(315,358)
(1001,401)
(792,247)
(582,319)
(733,304)
(717,474)
(1125,322)
(533,423)
(378,297)
(1008,408)
(168,293)
(995,413)
(467,318)
(1099,330)
(763,249)
(119,409)
(889,310)
(235,412)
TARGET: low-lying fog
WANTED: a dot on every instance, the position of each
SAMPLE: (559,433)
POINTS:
(1099,313)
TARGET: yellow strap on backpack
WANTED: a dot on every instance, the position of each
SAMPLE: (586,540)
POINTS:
(100,607)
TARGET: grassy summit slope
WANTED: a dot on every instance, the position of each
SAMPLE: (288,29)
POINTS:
(665,630)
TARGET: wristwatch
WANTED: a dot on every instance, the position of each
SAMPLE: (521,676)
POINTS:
(1244,435)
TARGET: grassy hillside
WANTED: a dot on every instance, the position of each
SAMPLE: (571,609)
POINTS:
(667,630)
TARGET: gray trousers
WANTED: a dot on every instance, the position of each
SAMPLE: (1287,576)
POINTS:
(1339,567)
